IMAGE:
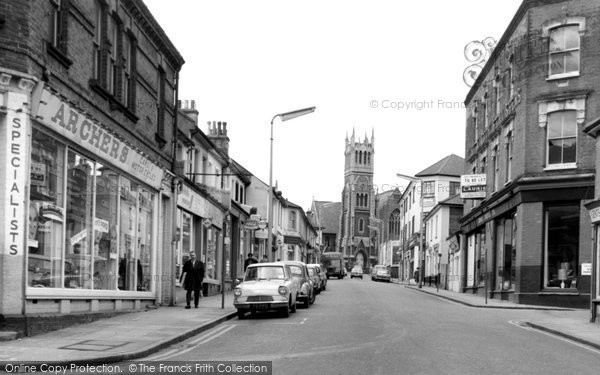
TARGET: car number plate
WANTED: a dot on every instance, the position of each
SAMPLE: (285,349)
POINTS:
(261,306)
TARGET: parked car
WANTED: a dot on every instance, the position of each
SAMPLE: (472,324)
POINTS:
(313,272)
(357,271)
(303,280)
(266,286)
(380,272)
(322,274)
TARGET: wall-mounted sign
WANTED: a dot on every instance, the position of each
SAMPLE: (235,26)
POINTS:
(594,209)
(472,186)
(251,225)
(586,269)
(73,124)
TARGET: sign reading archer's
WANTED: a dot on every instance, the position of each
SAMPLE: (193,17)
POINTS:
(472,186)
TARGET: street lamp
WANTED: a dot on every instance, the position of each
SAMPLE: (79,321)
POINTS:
(421,230)
(284,117)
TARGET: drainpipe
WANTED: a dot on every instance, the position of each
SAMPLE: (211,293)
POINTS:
(175,191)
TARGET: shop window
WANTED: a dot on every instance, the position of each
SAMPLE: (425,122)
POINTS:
(105,228)
(561,246)
(506,253)
(145,235)
(46,214)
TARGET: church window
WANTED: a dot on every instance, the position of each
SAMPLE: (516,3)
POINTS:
(361,225)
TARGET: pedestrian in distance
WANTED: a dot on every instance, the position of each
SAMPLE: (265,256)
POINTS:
(192,276)
(249,261)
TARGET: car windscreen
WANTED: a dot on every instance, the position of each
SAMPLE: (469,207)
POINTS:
(264,273)
(296,271)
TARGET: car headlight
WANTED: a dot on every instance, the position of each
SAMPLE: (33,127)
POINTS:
(283,290)
(237,292)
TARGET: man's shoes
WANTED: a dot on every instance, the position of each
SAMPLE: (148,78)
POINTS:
(196,306)
(187,307)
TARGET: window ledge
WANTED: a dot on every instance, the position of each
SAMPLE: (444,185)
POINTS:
(114,104)
(559,291)
(59,55)
(561,167)
(557,77)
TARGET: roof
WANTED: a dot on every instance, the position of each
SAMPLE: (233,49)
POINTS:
(451,165)
(453,200)
(328,214)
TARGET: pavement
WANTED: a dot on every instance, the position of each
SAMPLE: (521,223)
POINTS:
(121,338)
(571,324)
(138,334)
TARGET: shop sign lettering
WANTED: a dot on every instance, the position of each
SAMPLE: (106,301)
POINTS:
(74,125)
(16,170)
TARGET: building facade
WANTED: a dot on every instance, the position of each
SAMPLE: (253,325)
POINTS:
(87,121)
(527,240)
(388,227)
(358,203)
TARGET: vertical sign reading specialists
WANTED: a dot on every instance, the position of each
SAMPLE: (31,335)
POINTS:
(16,172)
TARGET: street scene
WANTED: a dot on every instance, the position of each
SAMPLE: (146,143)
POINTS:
(282,188)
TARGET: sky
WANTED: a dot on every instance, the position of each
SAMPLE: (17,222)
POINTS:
(392,67)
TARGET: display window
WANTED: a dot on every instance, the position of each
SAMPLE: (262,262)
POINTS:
(89,226)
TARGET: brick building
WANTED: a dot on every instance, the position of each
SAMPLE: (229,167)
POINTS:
(87,113)
(527,239)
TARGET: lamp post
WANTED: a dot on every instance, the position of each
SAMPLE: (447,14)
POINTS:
(284,117)
(421,230)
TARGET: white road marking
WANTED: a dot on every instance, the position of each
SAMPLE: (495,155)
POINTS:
(208,336)
(302,322)
(529,328)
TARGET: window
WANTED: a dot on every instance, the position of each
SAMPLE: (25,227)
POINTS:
(498,97)
(160,99)
(486,115)
(394,225)
(509,150)
(99,31)
(495,167)
(292,220)
(89,227)
(454,188)
(361,225)
(562,138)
(564,50)
(59,25)
(429,188)
(506,252)
(561,246)
(509,81)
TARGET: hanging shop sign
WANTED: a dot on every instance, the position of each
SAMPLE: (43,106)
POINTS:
(472,186)
(74,125)
(594,210)
(261,234)
(14,143)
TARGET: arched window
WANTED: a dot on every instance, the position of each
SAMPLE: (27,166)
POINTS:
(394,224)
(361,225)
(360,157)
(356,156)
(369,158)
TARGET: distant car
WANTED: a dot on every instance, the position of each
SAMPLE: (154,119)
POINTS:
(357,271)
(313,272)
(380,273)
(322,274)
(266,286)
(304,282)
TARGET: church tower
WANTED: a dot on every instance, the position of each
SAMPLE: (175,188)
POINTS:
(358,203)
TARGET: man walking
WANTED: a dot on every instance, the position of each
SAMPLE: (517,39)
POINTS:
(249,261)
(193,274)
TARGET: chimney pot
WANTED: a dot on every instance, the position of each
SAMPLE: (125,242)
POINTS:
(193,104)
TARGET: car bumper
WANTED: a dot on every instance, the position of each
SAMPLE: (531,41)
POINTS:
(386,278)
(274,305)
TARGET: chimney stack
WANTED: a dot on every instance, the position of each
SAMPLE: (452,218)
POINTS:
(188,107)
(217,133)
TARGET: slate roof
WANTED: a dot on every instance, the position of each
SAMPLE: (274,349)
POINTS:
(329,215)
(452,165)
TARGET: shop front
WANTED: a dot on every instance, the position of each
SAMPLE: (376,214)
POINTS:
(89,206)
(199,229)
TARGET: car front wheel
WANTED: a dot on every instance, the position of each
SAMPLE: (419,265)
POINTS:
(241,314)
